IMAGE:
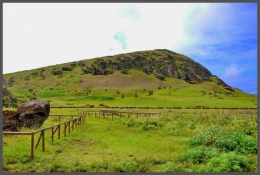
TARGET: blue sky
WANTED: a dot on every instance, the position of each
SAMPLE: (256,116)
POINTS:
(220,36)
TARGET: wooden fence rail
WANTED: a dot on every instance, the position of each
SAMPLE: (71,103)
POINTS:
(63,115)
(72,123)
(106,113)
(158,107)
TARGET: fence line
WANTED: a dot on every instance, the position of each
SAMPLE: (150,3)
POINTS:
(64,115)
(75,123)
(158,107)
(106,113)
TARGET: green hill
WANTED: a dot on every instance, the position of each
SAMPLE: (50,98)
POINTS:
(144,78)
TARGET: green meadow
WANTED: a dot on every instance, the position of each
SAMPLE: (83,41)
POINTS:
(184,140)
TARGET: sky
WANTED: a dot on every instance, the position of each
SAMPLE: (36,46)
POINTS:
(220,36)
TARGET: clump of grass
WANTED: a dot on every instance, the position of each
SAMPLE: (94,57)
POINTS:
(168,167)
(126,166)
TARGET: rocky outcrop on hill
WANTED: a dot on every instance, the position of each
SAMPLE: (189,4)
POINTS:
(30,114)
(222,83)
(161,63)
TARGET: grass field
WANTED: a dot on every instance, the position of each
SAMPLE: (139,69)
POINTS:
(174,141)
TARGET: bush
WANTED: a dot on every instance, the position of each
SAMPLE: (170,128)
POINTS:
(227,162)
(237,141)
(198,155)
(207,135)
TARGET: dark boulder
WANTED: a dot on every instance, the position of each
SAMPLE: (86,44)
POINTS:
(29,114)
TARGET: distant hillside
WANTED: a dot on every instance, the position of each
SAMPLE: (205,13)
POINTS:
(163,72)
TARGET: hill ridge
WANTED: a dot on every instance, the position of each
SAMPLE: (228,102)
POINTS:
(141,77)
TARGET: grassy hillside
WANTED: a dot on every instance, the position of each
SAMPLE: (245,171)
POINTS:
(72,84)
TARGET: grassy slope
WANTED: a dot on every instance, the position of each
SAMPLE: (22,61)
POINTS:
(71,89)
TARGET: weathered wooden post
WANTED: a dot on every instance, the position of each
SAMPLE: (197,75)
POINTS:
(69,126)
(59,132)
(52,135)
(32,145)
(65,125)
(43,143)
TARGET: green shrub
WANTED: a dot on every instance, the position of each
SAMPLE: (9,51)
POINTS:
(237,141)
(198,155)
(207,135)
(226,162)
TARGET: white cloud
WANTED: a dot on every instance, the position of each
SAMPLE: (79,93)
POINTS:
(207,26)
(41,34)
(232,71)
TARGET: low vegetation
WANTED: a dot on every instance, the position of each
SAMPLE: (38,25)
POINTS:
(174,141)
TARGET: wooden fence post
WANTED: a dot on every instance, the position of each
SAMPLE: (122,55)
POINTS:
(43,143)
(52,135)
(69,126)
(65,129)
(32,145)
(59,132)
